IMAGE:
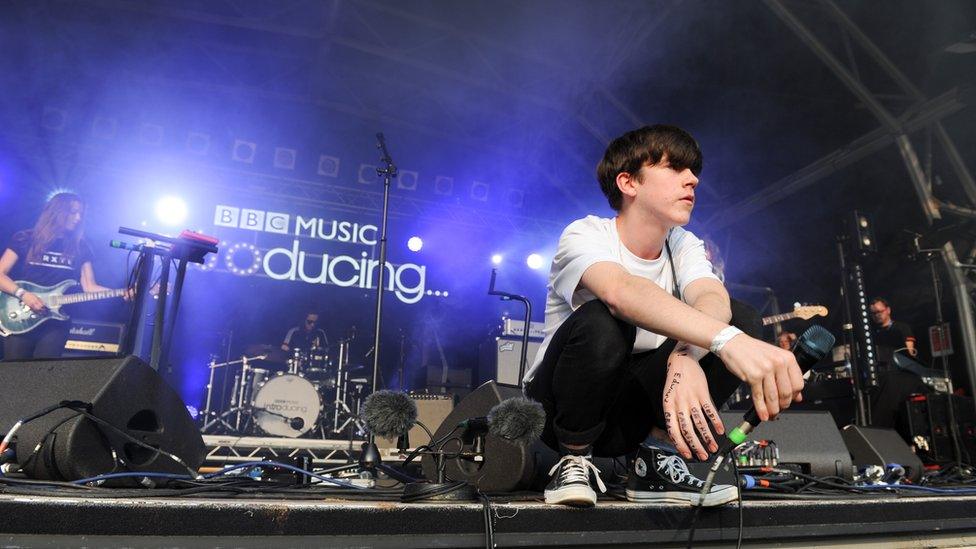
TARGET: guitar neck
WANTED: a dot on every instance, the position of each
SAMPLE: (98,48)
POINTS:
(767,320)
(58,300)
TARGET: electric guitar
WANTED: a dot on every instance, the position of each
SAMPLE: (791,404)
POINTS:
(18,318)
(806,312)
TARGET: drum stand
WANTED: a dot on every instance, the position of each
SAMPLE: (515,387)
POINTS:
(209,418)
(340,408)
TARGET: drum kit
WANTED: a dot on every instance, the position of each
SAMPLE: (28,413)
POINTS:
(301,393)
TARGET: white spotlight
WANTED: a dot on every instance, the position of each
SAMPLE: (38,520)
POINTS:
(171,210)
(496,259)
(415,244)
(534,261)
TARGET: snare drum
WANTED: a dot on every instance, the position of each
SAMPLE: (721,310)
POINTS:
(287,405)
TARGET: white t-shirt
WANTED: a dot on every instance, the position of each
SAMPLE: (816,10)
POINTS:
(594,239)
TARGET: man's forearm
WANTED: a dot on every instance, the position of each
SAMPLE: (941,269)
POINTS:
(643,303)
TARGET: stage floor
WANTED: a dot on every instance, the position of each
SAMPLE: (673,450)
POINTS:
(890,521)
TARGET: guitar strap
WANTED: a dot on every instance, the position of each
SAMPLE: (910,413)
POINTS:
(674,274)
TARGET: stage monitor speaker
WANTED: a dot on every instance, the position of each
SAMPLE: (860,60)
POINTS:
(808,439)
(505,467)
(124,392)
(874,446)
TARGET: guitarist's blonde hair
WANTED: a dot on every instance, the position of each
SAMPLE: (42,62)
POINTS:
(50,225)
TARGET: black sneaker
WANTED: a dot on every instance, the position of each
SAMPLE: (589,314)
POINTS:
(660,476)
(570,482)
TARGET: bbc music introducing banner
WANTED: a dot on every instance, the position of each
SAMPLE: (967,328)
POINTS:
(308,249)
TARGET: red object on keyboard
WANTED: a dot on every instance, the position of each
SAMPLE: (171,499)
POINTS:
(199,237)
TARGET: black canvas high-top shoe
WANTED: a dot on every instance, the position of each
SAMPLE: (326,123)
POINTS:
(658,475)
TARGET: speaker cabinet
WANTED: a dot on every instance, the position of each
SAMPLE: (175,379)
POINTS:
(124,392)
(930,428)
(809,439)
(874,446)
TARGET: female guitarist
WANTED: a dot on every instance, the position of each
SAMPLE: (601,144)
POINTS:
(53,251)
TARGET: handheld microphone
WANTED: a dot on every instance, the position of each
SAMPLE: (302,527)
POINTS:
(389,414)
(810,348)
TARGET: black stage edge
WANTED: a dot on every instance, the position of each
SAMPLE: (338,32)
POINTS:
(36,521)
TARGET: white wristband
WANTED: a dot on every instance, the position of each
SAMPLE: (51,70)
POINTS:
(722,338)
(19,293)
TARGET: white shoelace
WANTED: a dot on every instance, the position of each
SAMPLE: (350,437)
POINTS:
(676,468)
(578,469)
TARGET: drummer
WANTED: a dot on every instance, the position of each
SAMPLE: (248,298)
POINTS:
(307,336)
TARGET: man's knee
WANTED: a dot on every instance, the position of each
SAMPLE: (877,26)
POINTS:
(746,318)
(601,332)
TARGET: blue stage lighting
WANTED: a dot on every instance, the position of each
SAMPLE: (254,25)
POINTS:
(171,210)
(496,259)
(534,261)
(415,244)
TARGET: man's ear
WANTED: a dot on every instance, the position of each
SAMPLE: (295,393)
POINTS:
(627,184)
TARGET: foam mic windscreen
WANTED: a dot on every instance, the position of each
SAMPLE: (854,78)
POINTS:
(389,414)
(518,420)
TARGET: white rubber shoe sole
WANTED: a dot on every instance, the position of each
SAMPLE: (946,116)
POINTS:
(578,496)
(718,496)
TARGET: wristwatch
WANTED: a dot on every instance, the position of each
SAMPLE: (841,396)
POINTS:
(20,293)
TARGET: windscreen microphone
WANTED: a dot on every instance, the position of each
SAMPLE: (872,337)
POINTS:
(518,420)
(810,348)
(389,414)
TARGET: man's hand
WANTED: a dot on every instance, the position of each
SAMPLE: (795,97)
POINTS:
(772,373)
(688,408)
(33,302)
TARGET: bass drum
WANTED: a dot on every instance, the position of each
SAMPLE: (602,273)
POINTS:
(287,406)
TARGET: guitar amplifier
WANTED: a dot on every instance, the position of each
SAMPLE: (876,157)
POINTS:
(499,359)
(92,338)
(431,411)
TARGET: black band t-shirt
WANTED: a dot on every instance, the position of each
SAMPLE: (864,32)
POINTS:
(891,338)
(53,265)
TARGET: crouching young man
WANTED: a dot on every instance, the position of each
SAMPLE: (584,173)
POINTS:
(641,338)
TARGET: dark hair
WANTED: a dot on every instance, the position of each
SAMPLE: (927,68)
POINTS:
(629,152)
(880,300)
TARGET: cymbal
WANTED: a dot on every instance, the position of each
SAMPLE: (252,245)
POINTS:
(271,354)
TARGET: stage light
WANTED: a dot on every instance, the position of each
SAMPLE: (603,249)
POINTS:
(444,185)
(367,174)
(244,151)
(171,210)
(479,191)
(407,180)
(57,191)
(284,158)
(534,261)
(328,165)
(415,244)
(198,143)
(496,259)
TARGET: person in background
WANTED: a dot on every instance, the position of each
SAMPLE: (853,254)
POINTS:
(53,251)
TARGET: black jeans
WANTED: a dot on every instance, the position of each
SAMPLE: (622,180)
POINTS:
(45,341)
(596,392)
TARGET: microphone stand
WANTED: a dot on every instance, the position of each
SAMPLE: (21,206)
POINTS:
(528,322)
(370,456)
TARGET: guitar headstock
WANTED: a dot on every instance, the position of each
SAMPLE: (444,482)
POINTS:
(806,312)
